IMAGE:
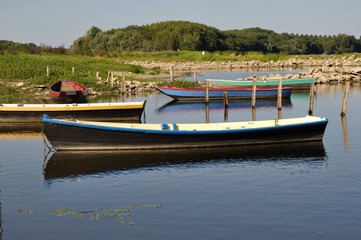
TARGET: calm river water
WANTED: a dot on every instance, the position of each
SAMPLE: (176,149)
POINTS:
(310,191)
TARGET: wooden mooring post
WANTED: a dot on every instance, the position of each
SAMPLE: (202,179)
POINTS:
(254,88)
(310,102)
(279,95)
(253,114)
(345,131)
(344,99)
(225,96)
(207,113)
(207,93)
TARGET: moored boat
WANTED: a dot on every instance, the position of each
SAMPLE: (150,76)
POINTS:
(296,83)
(68,89)
(216,94)
(90,135)
(113,111)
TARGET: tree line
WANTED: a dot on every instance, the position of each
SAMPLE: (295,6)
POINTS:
(184,35)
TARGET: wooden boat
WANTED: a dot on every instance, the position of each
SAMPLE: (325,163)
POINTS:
(90,135)
(296,83)
(199,94)
(60,164)
(68,89)
(116,111)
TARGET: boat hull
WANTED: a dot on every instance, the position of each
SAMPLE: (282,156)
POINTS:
(69,135)
(297,84)
(33,113)
(68,89)
(216,94)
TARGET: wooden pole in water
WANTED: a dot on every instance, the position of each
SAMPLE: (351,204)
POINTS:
(195,76)
(207,93)
(254,87)
(253,114)
(225,97)
(279,95)
(344,99)
(310,103)
(226,114)
(345,131)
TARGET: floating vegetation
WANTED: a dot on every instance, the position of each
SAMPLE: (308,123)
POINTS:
(121,214)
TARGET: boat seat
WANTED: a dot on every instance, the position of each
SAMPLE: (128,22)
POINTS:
(67,88)
(70,90)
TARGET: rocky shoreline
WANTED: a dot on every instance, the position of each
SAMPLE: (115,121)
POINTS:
(325,69)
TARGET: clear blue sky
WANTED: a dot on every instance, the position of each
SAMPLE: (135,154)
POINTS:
(60,22)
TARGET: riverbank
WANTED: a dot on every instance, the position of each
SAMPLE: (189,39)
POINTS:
(326,70)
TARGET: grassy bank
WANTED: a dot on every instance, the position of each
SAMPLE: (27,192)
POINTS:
(31,69)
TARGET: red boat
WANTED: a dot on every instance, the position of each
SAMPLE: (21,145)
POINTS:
(68,89)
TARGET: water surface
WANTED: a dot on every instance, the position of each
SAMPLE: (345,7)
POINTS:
(310,191)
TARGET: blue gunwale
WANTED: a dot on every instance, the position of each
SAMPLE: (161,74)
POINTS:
(47,119)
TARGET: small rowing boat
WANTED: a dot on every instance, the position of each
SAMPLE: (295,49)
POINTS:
(75,134)
(68,89)
(114,111)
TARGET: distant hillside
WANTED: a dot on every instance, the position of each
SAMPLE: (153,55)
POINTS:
(13,47)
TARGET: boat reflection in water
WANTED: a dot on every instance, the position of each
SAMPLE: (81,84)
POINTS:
(197,106)
(76,163)
(19,128)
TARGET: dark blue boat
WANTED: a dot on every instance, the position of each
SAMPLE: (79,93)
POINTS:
(89,135)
